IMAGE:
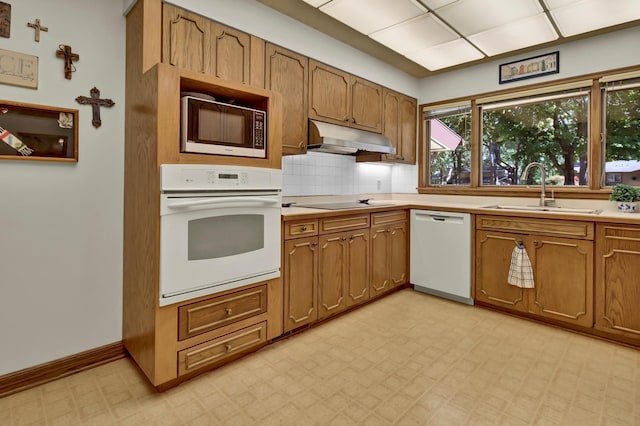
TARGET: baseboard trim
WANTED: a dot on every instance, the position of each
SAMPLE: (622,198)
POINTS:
(53,370)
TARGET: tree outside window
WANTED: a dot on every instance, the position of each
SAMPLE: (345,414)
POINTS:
(552,130)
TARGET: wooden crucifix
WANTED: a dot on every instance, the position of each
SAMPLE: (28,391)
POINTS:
(66,53)
(95,103)
(38,28)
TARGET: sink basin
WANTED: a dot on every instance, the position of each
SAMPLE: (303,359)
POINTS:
(545,209)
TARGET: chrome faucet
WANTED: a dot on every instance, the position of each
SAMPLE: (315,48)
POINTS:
(543,197)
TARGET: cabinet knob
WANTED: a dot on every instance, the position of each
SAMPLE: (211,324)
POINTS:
(353,120)
(343,239)
(314,244)
(304,228)
(353,237)
(537,243)
(346,119)
(228,348)
(228,310)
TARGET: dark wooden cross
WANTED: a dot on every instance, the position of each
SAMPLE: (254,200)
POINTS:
(38,28)
(95,103)
(65,52)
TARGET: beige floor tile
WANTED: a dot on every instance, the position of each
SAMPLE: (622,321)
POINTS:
(407,359)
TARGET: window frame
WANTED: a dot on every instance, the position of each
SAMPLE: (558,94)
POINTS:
(595,189)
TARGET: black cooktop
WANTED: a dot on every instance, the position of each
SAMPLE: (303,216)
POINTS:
(342,206)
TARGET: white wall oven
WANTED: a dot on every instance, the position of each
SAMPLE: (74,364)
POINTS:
(219,228)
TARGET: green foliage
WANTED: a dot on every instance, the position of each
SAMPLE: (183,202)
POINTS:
(553,132)
(624,193)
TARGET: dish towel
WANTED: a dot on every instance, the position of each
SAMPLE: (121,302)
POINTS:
(520,271)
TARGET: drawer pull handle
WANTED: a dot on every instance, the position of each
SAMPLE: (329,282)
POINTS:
(353,237)
(228,311)
(303,228)
(228,347)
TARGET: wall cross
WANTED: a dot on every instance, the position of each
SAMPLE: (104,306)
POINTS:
(65,52)
(95,103)
(38,28)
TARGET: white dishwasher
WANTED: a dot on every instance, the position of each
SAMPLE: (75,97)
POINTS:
(441,254)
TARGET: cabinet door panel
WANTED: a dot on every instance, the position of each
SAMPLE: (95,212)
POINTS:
(300,282)
(186,39)
(398,253)
(332,272)
(391,123)
(493,259)
(329,98)
(618,286)
(380,281)
(287,74)
(231,54)
(407,129)
(358,267)
(366,105)
(563,270)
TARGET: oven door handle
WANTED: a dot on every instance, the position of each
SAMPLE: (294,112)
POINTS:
(223,200)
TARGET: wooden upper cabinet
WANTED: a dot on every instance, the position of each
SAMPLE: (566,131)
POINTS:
(329,94)
(186,39)
(288,74)
(195,43)
(366,105)
(340,98)
(230,54)
(399,125)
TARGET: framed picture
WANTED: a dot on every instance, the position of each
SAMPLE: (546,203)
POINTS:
(37,132)
(529,68)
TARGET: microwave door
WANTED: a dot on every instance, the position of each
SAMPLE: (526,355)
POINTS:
(216,128)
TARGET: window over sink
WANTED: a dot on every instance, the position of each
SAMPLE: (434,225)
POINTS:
(585,131)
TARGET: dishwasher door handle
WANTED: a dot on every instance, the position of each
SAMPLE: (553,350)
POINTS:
(439,219)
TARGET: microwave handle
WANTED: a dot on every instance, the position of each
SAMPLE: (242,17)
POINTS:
(222,200)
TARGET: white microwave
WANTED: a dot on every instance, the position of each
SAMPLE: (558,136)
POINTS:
(212,127)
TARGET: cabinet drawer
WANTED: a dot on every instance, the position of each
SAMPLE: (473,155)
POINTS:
(300,228)
(388,217)
(561,228)
(207,315)
(216,350)
(344,223)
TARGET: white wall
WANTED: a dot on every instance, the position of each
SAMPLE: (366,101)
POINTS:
(608,51)
(61,235)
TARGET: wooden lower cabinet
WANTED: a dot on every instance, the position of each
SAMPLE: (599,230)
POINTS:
(343,271)
(617,282)
(389,242)
(300,282)
(562,269)
(493,258)
(343,264)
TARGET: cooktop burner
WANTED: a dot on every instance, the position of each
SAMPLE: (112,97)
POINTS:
(342,206)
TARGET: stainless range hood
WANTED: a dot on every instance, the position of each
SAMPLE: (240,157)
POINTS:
(325,137)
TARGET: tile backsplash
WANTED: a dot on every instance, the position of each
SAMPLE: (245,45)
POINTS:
(317,173)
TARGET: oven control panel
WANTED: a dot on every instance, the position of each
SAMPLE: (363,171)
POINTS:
(175,177)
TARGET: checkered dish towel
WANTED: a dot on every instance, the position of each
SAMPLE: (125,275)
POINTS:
(520,271)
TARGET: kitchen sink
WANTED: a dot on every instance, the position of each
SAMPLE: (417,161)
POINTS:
(545,209)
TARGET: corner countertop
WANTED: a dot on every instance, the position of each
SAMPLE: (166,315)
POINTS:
(455,203)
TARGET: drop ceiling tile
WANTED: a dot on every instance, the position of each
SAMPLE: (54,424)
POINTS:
(474,16)
(437,4)
(446,55)
(414,35)
(516,35)
(368,16)
(316,3)
(589,15)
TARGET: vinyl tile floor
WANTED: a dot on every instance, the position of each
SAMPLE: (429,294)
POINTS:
(407,359)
